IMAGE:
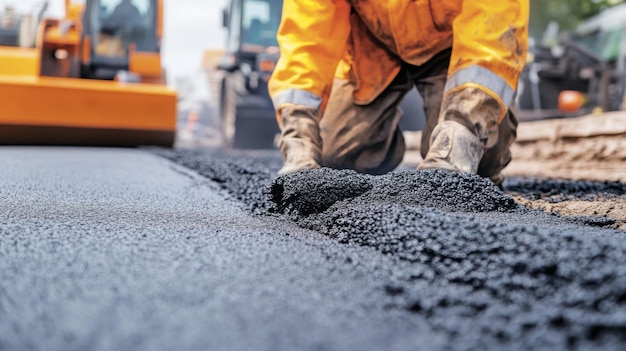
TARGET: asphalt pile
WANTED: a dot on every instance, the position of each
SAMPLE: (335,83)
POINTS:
(314,191)
(473,264)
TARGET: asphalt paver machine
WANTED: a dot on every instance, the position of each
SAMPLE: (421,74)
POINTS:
(94,77)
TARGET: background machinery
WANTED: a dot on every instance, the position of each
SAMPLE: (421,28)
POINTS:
(97,79)
(247,115)
(577,72)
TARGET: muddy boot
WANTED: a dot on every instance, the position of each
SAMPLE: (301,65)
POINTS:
(300,143)
(454,148)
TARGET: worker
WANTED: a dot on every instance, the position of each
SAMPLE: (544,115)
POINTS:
(125,14)
(345,65)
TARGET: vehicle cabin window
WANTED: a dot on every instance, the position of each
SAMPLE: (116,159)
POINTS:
(115,24)
(604,43)
(234,26)
(260,22)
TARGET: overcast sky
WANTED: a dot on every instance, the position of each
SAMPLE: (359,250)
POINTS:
(190,27)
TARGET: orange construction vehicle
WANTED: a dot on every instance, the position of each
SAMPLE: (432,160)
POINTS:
(94,78)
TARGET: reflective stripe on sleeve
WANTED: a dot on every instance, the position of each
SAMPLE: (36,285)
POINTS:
(484,77)
(297,97)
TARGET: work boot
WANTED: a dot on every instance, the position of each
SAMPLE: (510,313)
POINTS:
(454,148)
(300,142)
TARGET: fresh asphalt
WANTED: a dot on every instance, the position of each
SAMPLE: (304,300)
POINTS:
(124,249)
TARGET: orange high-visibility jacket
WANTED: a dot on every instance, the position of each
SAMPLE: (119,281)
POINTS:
(366,41)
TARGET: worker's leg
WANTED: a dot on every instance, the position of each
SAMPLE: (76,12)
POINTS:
(364,138)
(430,80)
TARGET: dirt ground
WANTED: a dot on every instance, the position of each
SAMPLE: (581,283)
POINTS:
(608,208)
(590,148)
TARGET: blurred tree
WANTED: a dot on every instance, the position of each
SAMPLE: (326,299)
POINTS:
(567,13)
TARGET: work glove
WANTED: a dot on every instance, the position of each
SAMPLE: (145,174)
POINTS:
(468,125)
(300,141)
(453,147)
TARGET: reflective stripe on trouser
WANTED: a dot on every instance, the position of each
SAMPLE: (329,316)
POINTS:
(366,138)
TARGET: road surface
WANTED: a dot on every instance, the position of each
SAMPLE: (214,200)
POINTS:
(123,249)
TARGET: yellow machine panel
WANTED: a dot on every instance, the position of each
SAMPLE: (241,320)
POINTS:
(19,61)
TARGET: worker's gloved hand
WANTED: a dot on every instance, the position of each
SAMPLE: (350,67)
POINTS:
(468,126)
(453,147)
(300,142)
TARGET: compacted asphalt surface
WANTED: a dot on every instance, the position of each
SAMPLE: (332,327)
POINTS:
(131,249)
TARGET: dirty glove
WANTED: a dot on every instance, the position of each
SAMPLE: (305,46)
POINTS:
(300,142)
(453,148)
(468,126)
